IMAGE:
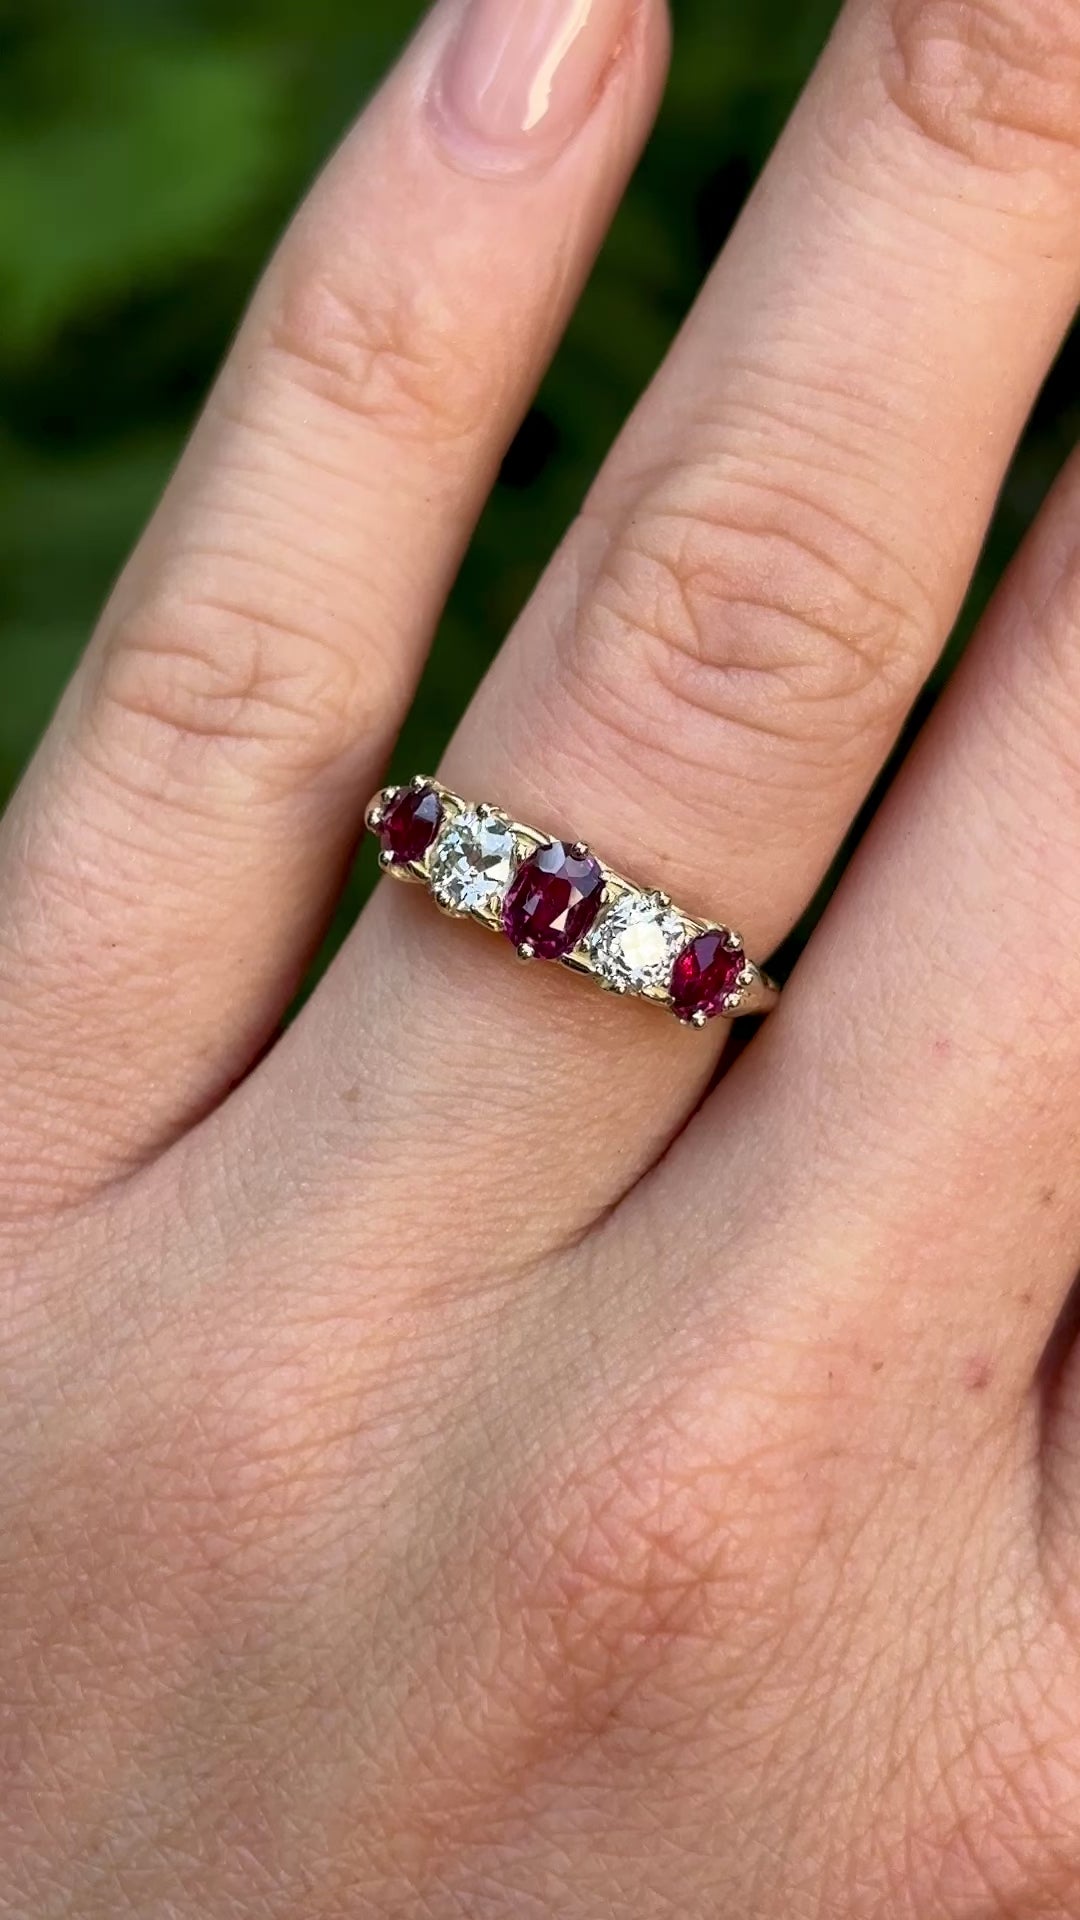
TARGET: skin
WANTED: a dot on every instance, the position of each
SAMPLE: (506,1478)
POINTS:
(479,1461)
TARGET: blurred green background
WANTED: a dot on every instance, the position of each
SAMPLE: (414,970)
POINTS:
(150,151)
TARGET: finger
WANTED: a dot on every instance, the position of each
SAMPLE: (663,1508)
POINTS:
(168,864)
(717,662)
(920,1085)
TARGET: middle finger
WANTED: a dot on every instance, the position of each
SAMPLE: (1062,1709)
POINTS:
(720,657)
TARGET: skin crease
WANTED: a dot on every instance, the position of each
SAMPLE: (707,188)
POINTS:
(465,1464)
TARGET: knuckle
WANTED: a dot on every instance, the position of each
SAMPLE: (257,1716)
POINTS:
(761,614)
(995,82)
(184,682)
(378,350)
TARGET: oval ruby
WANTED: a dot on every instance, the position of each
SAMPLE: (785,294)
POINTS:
(409,824)
(553,900)
(705,973)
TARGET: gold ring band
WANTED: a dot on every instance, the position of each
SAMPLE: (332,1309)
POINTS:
(555,900)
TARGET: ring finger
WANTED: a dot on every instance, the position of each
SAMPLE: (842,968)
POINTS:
(717,662)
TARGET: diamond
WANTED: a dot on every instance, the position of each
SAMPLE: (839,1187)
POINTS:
(636,943)
(472,862)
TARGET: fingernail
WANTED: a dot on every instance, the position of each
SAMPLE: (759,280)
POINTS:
(524,74)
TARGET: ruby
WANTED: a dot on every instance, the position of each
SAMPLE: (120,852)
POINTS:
(705,973)
(553,900)
(409,824)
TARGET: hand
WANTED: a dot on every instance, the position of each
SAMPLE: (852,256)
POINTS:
(461,1465)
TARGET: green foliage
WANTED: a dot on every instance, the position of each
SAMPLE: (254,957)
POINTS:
(149,153)
(160,157)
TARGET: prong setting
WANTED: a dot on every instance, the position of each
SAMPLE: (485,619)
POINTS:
(407,821)
(558,903)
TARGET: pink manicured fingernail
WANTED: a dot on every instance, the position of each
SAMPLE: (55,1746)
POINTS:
(524,74)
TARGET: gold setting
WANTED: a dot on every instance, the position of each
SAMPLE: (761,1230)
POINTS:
(754,992)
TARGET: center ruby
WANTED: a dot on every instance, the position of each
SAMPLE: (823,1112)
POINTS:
(553,900)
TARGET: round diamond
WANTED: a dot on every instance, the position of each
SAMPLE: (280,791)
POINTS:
(635,945)
(472,862)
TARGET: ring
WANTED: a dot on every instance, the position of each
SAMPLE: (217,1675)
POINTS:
(554,900)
